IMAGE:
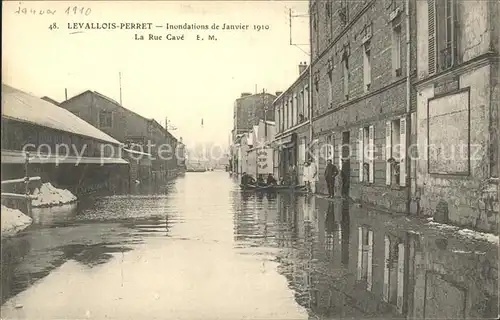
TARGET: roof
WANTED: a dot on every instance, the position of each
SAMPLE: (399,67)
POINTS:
(24,107)
(255,95)
(17,157)
(102,96)
(49,99)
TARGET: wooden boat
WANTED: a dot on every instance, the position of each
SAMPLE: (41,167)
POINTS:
(271,188)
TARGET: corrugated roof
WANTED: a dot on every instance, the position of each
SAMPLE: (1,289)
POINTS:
(21,106)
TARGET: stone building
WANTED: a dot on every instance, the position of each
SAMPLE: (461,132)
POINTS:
(146,135)
(362,97)
(457,111)
(292,114)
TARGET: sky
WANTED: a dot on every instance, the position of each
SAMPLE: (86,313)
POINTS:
(184,81)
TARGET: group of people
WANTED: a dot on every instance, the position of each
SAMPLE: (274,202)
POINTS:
(309,176)
(247,179)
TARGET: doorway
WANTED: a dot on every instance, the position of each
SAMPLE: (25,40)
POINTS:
(346,163)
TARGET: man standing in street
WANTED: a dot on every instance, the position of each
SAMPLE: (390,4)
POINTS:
(306,176)
(313,173)
(331,172)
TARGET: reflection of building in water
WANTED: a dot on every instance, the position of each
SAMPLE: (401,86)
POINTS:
(366,265)
(256,219)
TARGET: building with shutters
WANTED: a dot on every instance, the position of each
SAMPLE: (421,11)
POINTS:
(363,66)
(457,111)
(292,114)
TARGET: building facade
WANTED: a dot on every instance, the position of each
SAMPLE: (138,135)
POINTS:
(146,135)
(249,109)
(363,101)
(292,114)
(457,111)
(260,155)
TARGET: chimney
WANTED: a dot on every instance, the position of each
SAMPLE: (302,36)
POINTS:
(278,93)
(302,67)
(245,94)
(166,123)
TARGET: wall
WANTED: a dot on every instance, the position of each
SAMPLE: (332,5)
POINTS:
(385,99)
(468,196)
(281,105)
(250,109)
(127,126)
(460,191)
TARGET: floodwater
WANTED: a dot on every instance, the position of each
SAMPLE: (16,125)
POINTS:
(202,249)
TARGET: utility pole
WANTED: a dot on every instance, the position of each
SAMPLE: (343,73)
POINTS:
(120,78)
(265,114)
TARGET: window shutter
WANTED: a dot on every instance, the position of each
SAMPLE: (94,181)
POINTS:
(340,156)
(366,66)
(360,253)
(332,148)
(360,153)
(455,32)
(401,272)
(372,145)
(431,9)
(388,152)
(387,244)
(402,143)
(342,76)
(369,278)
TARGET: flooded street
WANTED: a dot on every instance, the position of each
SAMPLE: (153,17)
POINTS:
(205,250)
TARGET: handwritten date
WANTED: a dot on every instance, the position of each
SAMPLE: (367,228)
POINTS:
(70,11)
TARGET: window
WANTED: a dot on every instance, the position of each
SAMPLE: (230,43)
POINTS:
(306,102)
(344,11)
(287,115)
(367,67)
(277,116)
(330,90)
(394,269)
(447,54)
(345,76)
(366,154)
(443,31)
(105,119)
(301,106)
(329,20)
(365,256)
(296,110)
(283,116)
(396,50)
(395,142)
(330,147)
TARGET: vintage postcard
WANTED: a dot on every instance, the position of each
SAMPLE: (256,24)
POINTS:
(302,159)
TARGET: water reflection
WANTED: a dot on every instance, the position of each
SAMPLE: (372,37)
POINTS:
(331,258)
(344,261)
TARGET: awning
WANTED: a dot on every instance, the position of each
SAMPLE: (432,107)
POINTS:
(18,157)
